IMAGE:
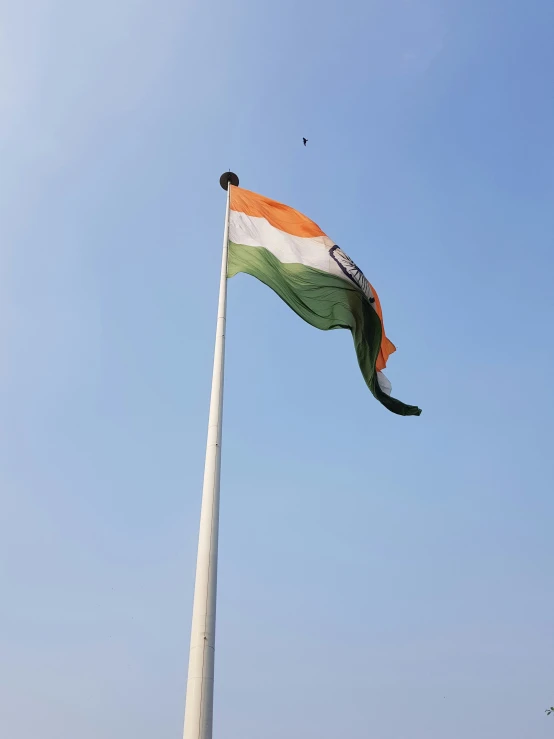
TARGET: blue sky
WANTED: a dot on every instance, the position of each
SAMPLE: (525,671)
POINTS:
(379,576)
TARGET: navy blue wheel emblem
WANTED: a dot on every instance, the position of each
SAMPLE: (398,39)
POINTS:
(352,271)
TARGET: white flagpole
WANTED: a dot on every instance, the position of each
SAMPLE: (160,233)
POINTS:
(200,684)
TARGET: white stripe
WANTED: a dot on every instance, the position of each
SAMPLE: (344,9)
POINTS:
(312,252)
(384,383)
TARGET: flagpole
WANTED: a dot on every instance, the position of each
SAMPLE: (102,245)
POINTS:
(200,683)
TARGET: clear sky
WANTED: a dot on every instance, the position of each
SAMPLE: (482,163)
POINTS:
(380,577)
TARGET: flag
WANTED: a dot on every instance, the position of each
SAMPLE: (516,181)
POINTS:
(291,254)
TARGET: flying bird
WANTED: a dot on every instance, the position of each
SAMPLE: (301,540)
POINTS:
(305,141)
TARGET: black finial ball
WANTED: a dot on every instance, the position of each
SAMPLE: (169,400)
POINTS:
(228,177)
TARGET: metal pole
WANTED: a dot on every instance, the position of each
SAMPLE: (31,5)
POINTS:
(200,684)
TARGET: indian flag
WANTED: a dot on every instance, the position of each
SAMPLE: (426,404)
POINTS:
(291,254)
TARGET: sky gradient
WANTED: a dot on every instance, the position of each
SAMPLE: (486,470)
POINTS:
(380,577)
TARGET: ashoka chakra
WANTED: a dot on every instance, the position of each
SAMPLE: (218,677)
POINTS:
(352,271)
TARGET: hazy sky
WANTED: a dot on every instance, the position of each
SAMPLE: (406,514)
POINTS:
(380,577)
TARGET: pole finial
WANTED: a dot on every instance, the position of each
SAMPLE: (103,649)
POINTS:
(228,177)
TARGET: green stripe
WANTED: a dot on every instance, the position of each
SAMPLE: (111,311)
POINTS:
(326,302)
